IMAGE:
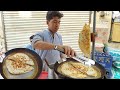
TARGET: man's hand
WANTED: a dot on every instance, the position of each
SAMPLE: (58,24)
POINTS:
(69,51)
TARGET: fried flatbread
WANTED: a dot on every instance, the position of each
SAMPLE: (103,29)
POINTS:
(22,57)
(68,70)
(88,70)
(84,41)
(17,67)
(19,63)
(75,69)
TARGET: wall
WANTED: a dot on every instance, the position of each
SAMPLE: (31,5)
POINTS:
(19,27)
(103,26)
(114,45)
(2,42)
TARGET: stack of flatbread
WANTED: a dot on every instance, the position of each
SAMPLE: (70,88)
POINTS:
(19,63)
(84,41)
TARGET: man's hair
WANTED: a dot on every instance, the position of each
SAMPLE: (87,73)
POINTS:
(51,14)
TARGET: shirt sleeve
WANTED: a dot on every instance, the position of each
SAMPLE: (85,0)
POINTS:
(37,37)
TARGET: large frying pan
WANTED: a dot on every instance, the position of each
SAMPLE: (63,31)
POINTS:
(34,74)
(97,65)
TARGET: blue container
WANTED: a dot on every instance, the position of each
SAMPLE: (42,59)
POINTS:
(104,59)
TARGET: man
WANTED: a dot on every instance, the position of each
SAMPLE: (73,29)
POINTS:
(49,41)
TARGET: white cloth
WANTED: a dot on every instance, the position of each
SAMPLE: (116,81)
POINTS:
(1,77)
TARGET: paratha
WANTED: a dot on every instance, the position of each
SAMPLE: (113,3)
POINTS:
(18,67)
(19,63)
(22,57)
(88,70)
(67,69)
(84,41)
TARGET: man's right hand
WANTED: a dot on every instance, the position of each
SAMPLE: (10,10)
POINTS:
(67,50)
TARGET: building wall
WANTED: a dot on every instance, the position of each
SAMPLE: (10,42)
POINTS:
(19,27)
(99,25)
(2,42)
(114,45)
(103,26)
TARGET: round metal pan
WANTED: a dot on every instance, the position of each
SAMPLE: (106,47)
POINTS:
(34,74)
(97,65)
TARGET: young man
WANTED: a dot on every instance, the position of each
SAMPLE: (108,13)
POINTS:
(49,42)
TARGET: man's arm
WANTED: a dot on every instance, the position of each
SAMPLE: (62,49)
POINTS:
(38,43)
(43,45)
(48,46)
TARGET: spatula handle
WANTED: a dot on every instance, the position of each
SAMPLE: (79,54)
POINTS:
(61,50)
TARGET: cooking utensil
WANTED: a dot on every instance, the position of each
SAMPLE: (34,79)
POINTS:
(84,60)
(81,59)
(34,74)
(97,66)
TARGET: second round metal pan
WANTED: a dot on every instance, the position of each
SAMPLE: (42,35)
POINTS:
(60,75)
(34,74)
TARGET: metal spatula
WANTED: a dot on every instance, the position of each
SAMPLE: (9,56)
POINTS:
(84,60)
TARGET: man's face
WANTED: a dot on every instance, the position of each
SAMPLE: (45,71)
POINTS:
(54,24)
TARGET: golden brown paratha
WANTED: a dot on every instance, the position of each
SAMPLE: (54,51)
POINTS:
(19,63)
(68,70)
(73,69)
(18,67)
(22,57)
(84,41)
